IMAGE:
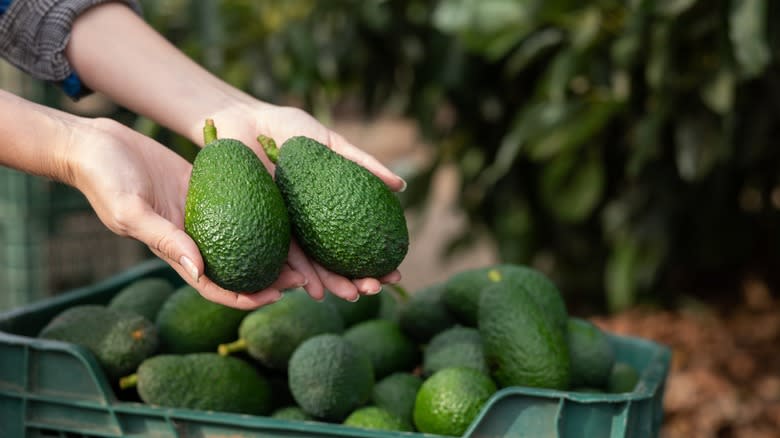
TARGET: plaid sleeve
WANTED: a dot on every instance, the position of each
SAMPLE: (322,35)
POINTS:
(34,34)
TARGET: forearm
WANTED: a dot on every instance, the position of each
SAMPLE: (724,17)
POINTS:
(115,52)
(35,139)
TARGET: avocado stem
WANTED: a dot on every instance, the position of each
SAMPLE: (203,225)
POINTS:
(128,381)
(401,291)
(269,146)
(232,347)
(209,132)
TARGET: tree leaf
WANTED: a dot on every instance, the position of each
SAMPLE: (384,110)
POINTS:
(571,188)
(747,32)
(586,29)
(529,50)
(578,127)
(719,92)
(490,27)
(620,276)
(672,8)
(658,58)
(698,147)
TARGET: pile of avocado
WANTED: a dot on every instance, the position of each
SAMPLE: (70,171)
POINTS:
(425,361)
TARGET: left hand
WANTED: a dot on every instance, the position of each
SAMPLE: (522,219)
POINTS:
(138,188)
(281,123)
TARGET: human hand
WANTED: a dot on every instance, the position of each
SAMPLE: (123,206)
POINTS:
(281,123)
(138,188)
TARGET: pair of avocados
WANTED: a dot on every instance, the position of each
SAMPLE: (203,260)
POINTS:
(341,215)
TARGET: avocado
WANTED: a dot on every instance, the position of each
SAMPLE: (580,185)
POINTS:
(376,418)
(623,377)
(236,215)
(396,394)
(367,307)
(591,354)
(329,377)
(189,323)
(449,401)
(342,215)
(144,296)
(291,413)
(455,347)
(462,291)
(384,343)
(204,381)
(524,345)
(119,340)
(390,302)
(425,314)
(271,333)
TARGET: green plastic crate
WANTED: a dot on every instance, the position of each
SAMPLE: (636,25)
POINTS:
(50,388)
(51,240)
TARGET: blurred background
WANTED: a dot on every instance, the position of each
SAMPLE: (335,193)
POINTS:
(625,148)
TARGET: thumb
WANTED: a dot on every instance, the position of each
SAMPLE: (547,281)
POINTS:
(168,242)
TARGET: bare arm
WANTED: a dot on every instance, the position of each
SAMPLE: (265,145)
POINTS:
(33,138)
(114,51)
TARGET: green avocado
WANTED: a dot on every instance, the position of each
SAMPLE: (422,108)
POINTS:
(204,381)
(425,315)
(271,333)
(523,342)
(236,215)
(120,340)
(189,323)
(463,291)
(457,346)
(144,296)
(385,344)
(329,378)
(396,393)
(342,215)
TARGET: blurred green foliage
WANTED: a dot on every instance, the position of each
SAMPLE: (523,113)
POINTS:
(626,146)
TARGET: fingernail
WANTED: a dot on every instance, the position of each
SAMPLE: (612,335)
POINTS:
(281,295)
(354,300)
(189,266)
(374,292)
(304,283)
(403,187)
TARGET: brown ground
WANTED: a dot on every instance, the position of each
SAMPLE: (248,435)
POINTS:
(724,379)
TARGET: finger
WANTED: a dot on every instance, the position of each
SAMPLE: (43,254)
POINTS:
(340,145)
(391,278)
(212,292)
(337,284)
(289,279)
(166,239)
(174,246)
(367,286)
(298,261)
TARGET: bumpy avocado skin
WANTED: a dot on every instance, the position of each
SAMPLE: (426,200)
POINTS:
(120,340)
(205,381)
(237,217)
(342,215)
